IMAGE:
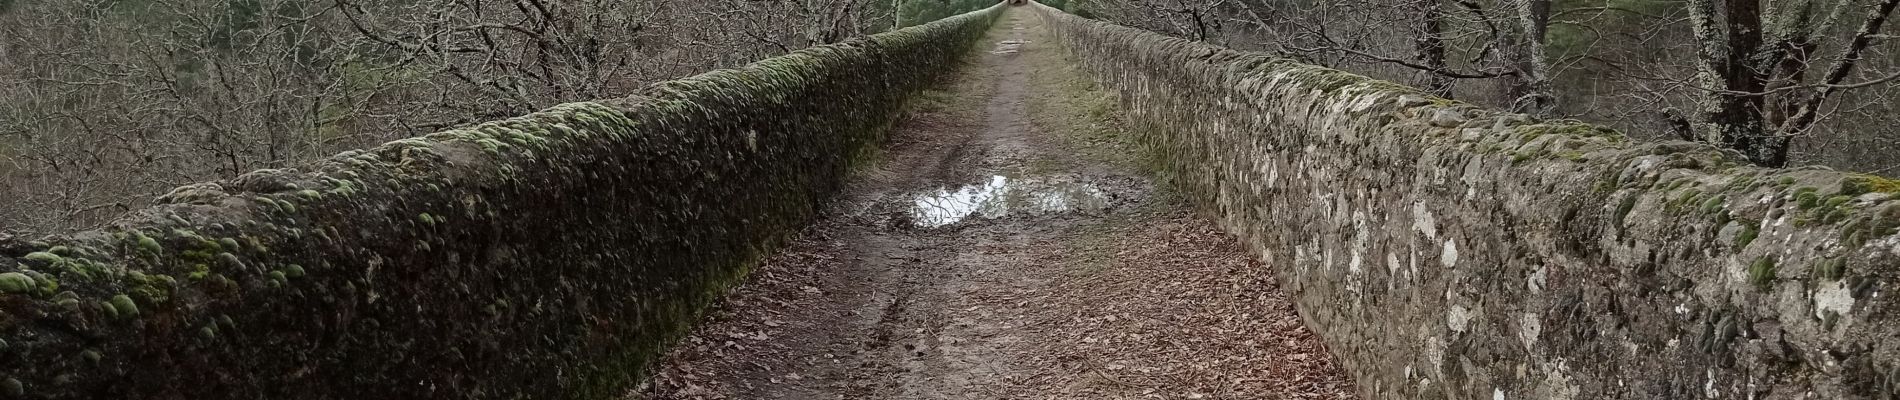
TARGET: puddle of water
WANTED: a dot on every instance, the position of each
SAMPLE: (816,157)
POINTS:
(1002,196)
(1009,46)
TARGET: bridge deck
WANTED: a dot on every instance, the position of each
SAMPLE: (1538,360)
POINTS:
(1006,245)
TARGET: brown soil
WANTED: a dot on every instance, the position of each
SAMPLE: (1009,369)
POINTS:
(1006,246)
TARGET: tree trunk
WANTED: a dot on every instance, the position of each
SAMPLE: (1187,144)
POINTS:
(1741,116)
(1530,90)
(1732,108)
(1431,48)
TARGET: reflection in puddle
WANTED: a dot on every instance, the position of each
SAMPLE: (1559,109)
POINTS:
(1009,46)
(1003,196)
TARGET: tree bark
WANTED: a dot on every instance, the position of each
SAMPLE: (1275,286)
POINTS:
(1431,48)
(1742,116)
(1531,89)
(1710,72)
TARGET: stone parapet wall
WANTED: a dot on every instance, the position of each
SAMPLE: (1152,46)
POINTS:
(547,256)
(1449,251)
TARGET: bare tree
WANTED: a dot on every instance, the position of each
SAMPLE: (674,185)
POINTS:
(104,104)
(1754,69)
(1782,81)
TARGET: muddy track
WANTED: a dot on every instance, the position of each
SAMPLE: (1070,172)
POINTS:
(1005,246)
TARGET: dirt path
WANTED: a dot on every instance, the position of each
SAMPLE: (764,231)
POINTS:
(1006,246)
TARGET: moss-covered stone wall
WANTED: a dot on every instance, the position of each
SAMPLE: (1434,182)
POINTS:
(1449,251)
(547,256)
